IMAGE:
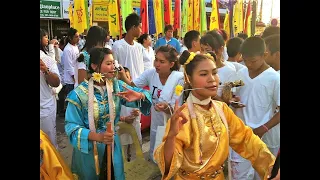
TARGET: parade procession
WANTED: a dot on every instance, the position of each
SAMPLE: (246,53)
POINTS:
(160,89)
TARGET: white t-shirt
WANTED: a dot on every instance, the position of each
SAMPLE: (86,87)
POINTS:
(47,98)
(261,96)
(226,74)
(225,54)
(230,65)
(69,58)
(130,56)
(151,78)
(183,48)
(108,46)
(148,58)
(60,67)
(237,65)
(79,65)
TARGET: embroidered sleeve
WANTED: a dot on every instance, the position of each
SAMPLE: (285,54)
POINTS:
(74,126)
(247,144)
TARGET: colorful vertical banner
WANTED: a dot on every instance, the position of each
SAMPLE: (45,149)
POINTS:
(166,12)
(226,24)
(214,18)
(184,24)
(196,15)
(230,7)
(203,18)
(70,9)
(144,16)
(126,9)
(190,15)
(80,16)
(158,16)
(114,20)
(247,27)
(238,17)
(152,26)
(177,15)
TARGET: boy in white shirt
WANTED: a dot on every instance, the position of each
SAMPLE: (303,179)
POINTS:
(261,96)
(233,50)
(273,49)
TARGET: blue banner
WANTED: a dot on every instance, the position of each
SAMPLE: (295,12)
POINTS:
(152,26)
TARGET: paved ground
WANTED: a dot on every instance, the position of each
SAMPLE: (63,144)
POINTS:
(65,148)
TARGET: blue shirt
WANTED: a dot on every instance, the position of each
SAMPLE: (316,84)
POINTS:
(172,42)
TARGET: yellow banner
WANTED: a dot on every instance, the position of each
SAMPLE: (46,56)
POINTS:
(214,18)
(190,15)
(158,16)
(80,16)
(71,15)
(249,25)
(226,24)
(196,15)
(135,3)
(91,15)
(114,25)
(238,17)
(100,12)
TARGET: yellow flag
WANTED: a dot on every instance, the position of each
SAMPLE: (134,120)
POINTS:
(114,24)
(170,12)
(226,24)
(70,9)
(91,15)
(80,16)
(249,25)
(190,15)
(158,16)
(196,15)
(214,18)
(238,17)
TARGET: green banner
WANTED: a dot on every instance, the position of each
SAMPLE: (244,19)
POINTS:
(50,9)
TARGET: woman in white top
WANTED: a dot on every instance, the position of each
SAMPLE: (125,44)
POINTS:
(148,53)
(226,74)
(49,78)
(96,37)
(162,81)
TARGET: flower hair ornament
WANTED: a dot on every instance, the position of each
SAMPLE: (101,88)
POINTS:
(97,77)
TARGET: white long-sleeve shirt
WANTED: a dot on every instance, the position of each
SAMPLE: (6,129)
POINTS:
(69,58)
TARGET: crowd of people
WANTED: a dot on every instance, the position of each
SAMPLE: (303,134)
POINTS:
(227,111)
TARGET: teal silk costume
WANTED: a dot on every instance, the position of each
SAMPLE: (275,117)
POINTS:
(77,127)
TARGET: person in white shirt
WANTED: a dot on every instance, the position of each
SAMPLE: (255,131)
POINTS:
(233,50)
(49,78)
(96,37)
(162,81)
(261,96)
(130,53)
(220,48)
(273,50)
(192,41)
(109,43)
(81,42)
(209,44)
(61,94)
(70,55)
(148,53)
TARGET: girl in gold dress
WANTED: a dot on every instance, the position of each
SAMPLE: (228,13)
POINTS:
(198,135)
